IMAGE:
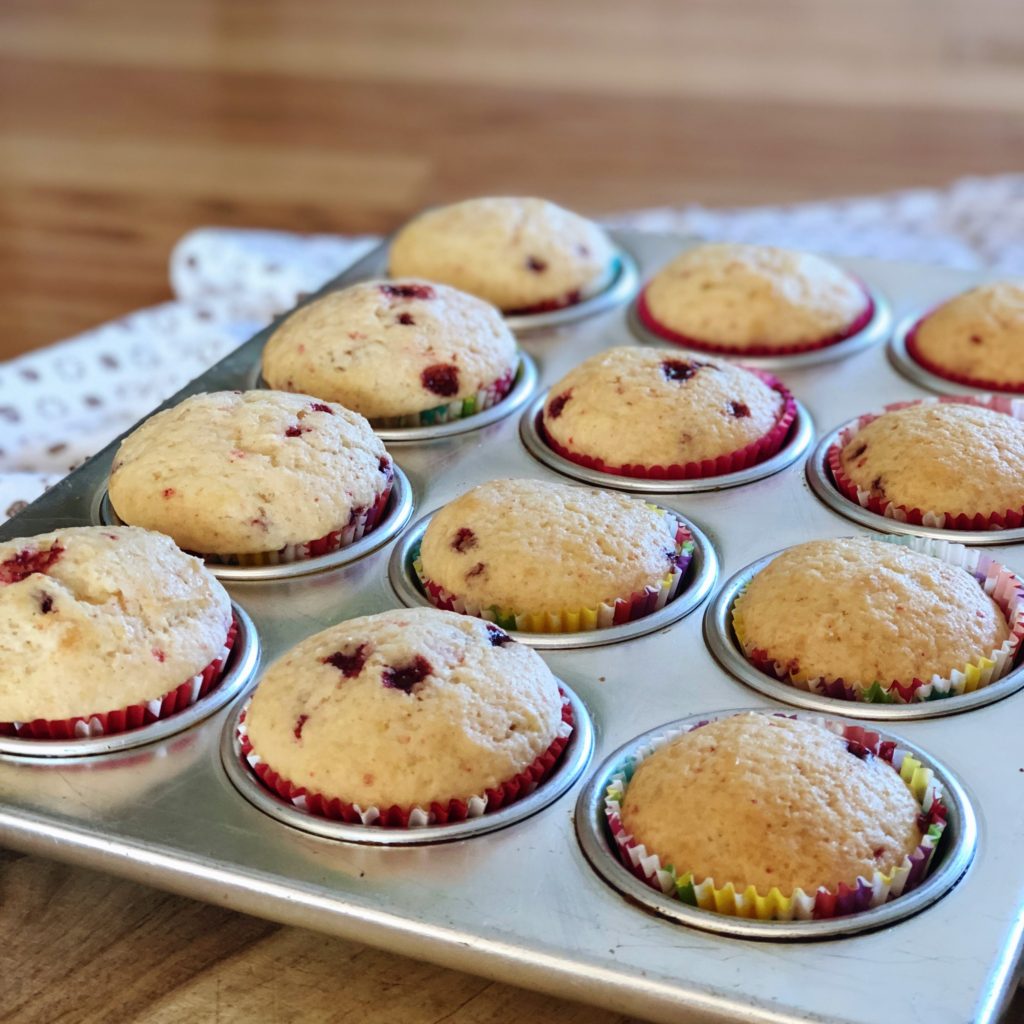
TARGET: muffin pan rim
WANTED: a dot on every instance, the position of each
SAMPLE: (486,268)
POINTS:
(875,331)
(725,648)
(954,861)
(704,568)
(397,513)
(571,766)
(243,662)
(819,477)
(800,440)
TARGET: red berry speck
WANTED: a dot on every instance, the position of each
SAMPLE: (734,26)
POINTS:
(322,407)
(25,563)
(463,540)
(384,465)
(498,636)
(406,319)
(46,603)
(558,403)
(739,409)
(299,723)
(407,676)
(476,570)
(159,655)
(407,291)
(538,266)
(442,379)
(679,369)
(169,492)
(297,430)
(349,663)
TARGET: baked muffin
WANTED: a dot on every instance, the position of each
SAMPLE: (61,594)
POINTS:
(256,476)
(762,800)
(547,557)
(627,410)
(959,461)
(521,255)
(976,338)
(871,614)
(96,620)
(753,300)
(415,708)
(398,352)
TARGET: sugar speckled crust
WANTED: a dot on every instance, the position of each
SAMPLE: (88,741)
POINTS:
(743,295)
(941,457)
(638,406)
(97,618)
(514,252)
(391,348)
(534,546)
(978,334)
(241,472)
(405,707)
(867,611)
(767,801)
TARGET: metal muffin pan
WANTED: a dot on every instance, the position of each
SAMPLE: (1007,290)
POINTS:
(701,575)
(819,476)
(570,766)
(397,513)
(722,642)
(952,858)
(522,904)
(522,387)
(531,433)
(874,331)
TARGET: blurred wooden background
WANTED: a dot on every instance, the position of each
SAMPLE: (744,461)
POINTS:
(123,123)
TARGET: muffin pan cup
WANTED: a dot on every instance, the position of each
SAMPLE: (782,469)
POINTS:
(521,903)
(699,578)
(952,857)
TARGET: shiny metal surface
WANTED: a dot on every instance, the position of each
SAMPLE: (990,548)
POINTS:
(571,765)
(819,476)
(800,437)
(396,514)
(522,904)
(876,330)
(953,857)
(242,662)
(721,640)
(701,576)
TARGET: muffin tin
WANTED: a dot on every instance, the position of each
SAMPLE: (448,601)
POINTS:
(522,903)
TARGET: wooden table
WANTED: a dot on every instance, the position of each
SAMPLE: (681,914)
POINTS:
(123,123)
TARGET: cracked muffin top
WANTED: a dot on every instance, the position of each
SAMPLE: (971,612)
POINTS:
(979,334)
(97,618)
(867,611)
(940,457)
(534,546)
(243,472)
(520,254)
(391,348)
(405,708)
(763,800)
(641,406)
(743,296)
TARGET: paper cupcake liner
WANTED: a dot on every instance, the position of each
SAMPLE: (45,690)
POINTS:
(459,410)
(648,320)
(915,353)
(749,455)
(948,520)
(574,620)
(1000,583)
(323,805)
(775,905)
(362,522)
(109,723)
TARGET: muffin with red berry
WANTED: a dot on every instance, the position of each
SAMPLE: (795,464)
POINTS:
(522,255)
(639,412)
(408,717)
(401,353)
(256,477)
(104,629)
(753,300)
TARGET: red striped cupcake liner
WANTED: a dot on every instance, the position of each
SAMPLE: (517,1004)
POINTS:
(915,353)
(653,325)
(521,785)
(743,458)
(110,723)
(947,520)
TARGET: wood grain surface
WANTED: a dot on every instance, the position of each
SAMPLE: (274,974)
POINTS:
(124,123)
